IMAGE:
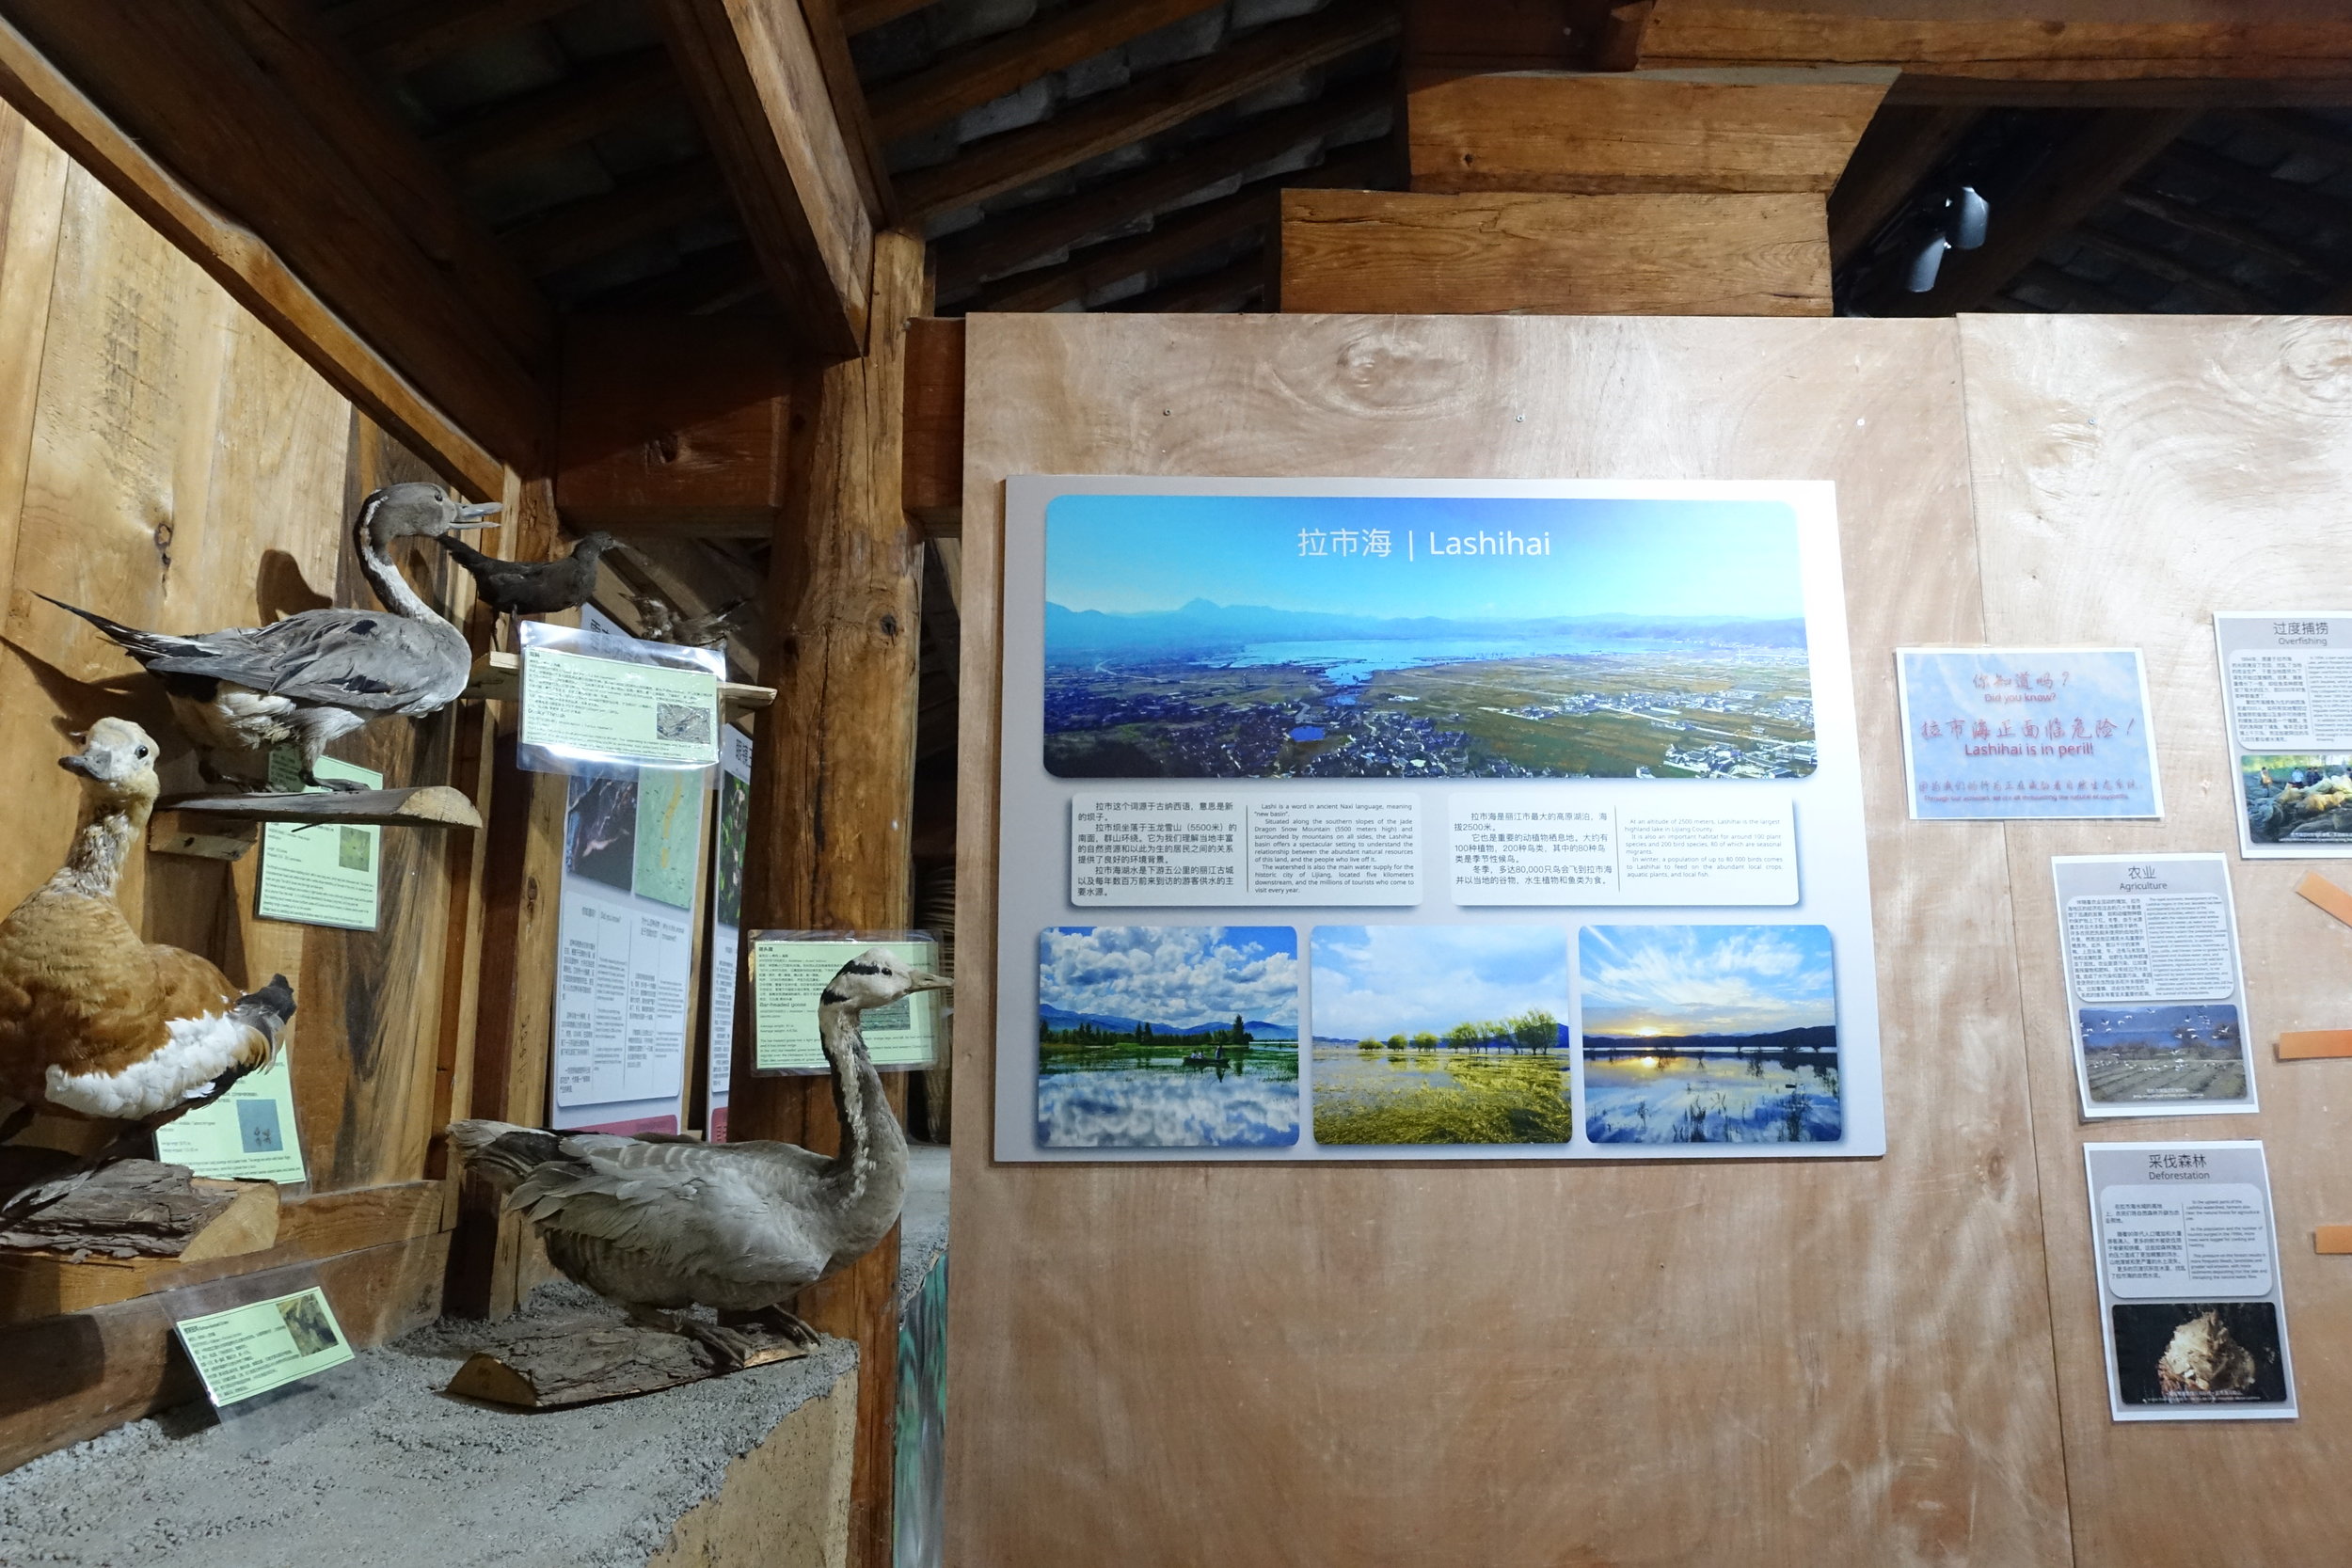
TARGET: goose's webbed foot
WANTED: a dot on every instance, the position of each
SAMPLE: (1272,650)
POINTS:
(729,1350)
(341,787)
(789,1324)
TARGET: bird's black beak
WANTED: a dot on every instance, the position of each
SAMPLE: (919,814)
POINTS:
(477,515)
(76,763)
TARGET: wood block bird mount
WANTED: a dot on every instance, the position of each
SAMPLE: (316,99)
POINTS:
(533,1365)
(224,826)
(122,1232)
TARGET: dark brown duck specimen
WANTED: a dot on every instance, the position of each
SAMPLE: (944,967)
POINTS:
(534,587)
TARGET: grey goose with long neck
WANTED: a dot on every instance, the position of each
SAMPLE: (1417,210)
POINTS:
(311,677)
(657,1225)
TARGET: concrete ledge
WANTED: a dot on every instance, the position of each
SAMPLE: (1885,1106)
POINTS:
(374,1468)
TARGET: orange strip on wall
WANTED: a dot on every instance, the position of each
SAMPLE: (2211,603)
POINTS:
(2328,897)
(2299,1044)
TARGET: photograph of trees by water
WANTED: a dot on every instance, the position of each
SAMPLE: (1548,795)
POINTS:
(1440,1034)
(1708,1033)
(1167,1036)
(1244,637)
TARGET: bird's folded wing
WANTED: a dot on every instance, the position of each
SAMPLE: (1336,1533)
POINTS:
(348,658)
(694,1206)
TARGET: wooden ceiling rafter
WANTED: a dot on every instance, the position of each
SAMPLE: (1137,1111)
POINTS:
(864,16)
(2110,148)
(1151,103)
(2079,292)
(966,259)
(2225,230)
(556,118)
(1010,60)
(2317,205)
(397,37)
(754,74)
(1177,235)
(2231,296)
(1227,288)
(639,208)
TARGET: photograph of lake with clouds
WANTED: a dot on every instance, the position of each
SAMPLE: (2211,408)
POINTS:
(1238,637)
(1167,1036)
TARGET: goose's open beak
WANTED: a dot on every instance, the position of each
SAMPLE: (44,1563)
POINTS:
(925,980)
(76,763)
(478,515)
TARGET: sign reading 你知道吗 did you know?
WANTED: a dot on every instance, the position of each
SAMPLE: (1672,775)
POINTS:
(1355,819)
(2026,732)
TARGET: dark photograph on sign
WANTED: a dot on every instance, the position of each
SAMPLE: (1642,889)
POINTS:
(1239,636)
(2199,1352)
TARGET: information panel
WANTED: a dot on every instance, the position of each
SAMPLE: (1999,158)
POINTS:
(1369,820)
(2286,677)
(2189,1299)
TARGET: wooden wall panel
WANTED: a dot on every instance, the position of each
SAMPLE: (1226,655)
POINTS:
(1796,1364)
(2133,475)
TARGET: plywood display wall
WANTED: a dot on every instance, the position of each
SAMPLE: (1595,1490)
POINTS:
(1870,1363)
(165,459)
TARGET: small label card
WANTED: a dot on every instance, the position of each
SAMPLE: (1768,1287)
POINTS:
(320,873)
(2286,677)
(251,1349)
(612,711)
(2026,732)
(787,979)
(2189,1300)
(248,1134)
(2153,984)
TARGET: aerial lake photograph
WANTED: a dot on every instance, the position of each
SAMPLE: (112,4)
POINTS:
(1708,1033)
(1235,637)
(1167,1036)
(1440,1034)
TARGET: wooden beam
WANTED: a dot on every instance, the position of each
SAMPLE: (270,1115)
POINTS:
(1902,148)
(1503,35)
(706,281)
(754,74)
(2297,133)
(2227,230)
(986,72)
(1018,238)
(2091,166)
(1176,235)
(858,16)
(1226,288)
(2230,175)
(353,118)
(313,322)
(2229,295)
(672,425)
(1725,131)
(833,781)
(2124,92)
(932,485)
(2044,40)
(649,202)
(398,36)
(557,118)
(867,159)
(1144,107)
(1414,253)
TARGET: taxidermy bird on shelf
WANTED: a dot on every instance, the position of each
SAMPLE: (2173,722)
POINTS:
(94,1022)
(534,587)
(664,1224)
(310,678)
(662,623)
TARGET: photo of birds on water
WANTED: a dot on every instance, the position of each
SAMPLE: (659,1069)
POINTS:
(1167,1036)
(1708,1033)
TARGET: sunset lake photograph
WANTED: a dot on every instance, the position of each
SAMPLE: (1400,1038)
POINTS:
(1708,1033)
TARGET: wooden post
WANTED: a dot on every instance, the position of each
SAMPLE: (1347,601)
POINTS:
(832,779)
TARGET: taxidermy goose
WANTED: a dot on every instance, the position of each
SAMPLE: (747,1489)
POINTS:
(654,1224)
(534,587)
(307,679)
(94,1022)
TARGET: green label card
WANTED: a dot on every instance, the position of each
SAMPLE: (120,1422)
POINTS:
(610,709)
(788,977)
(248,1134)
(250,1350)
(319,873)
